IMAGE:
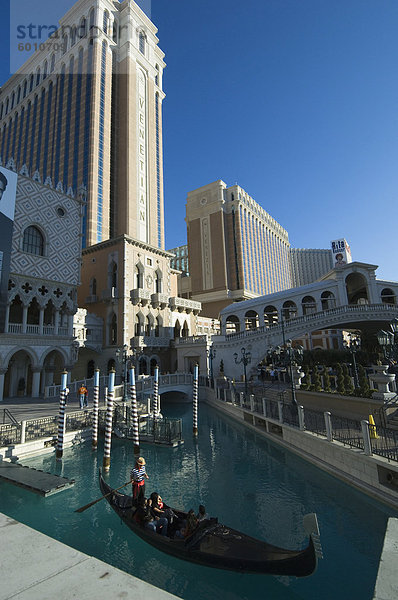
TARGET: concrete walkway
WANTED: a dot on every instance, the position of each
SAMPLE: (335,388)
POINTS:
(35,408)
(46,568)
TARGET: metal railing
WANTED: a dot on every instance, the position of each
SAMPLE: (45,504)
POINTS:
(380,440)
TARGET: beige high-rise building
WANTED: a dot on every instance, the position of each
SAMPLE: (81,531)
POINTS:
(236,249)
(88,110)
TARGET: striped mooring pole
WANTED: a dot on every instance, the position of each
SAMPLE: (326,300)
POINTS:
(155,407)
(95,409)
(106,463)
(134,412)
(195,400)
(61,417)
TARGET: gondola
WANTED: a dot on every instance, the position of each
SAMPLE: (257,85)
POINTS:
(216,545)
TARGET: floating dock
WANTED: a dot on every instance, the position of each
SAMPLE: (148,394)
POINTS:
(33,480)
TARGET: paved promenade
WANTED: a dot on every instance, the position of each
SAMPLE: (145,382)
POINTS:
(34,408)
(61,572)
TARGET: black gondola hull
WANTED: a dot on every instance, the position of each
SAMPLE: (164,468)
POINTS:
(220,546)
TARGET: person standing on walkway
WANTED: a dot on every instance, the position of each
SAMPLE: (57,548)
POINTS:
(82,395)
(138,475)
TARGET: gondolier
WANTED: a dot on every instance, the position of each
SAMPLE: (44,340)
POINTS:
(138,475)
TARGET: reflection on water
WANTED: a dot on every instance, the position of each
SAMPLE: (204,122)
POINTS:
(249,482)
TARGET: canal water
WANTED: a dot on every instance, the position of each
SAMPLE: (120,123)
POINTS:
(250,483)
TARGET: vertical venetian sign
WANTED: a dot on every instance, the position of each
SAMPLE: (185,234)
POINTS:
(206,255)
(142,157)
(8,191)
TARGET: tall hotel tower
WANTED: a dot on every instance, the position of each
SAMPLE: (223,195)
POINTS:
(87,111)
(236,249)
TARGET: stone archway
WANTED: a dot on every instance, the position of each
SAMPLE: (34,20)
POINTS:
(18,378)
(357,289)
(53,365)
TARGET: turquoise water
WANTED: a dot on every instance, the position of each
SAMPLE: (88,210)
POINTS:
(250,483)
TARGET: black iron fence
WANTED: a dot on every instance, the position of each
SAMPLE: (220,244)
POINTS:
(382,440)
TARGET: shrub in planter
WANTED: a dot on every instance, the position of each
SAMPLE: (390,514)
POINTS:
(326,381)
(348,386)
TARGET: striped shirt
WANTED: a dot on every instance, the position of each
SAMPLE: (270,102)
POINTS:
(138,474)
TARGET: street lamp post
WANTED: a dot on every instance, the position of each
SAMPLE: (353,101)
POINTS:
(122,356)
(294,354)
(211,353)
(353,344)
(245,360)
(386,341)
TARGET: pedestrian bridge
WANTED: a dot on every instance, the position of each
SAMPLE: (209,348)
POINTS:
(348,297)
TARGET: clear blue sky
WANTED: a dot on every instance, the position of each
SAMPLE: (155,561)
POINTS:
(294,100)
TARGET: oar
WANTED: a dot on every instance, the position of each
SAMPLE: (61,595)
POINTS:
(83,508)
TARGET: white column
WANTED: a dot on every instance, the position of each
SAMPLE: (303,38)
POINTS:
(41,320)
(24,318)
(7,319)
(36,383)
(2,374)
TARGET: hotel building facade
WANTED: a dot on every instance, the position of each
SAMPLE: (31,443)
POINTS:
(236,249)
(87,111)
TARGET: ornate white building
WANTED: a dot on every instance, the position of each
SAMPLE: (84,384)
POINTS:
(38,341)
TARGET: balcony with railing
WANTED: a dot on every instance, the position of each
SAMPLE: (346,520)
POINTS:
(183,304)
(159,300)
(150,341)
(37,330)
(110,294)
(140,296)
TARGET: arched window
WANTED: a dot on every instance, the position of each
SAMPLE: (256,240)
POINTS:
(157,75)
(82,28)
(157,327)
(93,286)
(16,310)
(388,296)
(33,313)
(49,314)
(138,326)
(45,70)
(112,275)
(270,315)
(31,80)
(232,324)
(113,330)
(38,76)
(1,111)
(177,329)
(148,326)
(115,31)
(52,66)
(139,276)
(73,36)
(289,310)
(309,305)
(141,42)
(33,241)
(91,18)
(25,88)
(19,94)
(105,22)
(185,330)
(64,44)
(328,300)
(251,320)
(158,282)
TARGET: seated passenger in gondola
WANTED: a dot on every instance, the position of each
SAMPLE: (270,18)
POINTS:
(202,514)
(159,509)
(189,526)
(144,517)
